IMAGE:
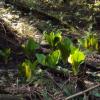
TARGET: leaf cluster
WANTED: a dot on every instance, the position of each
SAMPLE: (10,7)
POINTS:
(90,41)
(50,60)
(76,58)
(53,38)
(30,46)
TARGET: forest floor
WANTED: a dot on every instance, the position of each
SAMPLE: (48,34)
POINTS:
(15,28)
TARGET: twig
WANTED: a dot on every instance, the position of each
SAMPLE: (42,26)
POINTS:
(82,92)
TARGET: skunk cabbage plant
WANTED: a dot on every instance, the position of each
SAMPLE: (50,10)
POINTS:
(50,60)
(90,41)
(53,38)
(26,69)
(75,59)
(65,47)
(30,46)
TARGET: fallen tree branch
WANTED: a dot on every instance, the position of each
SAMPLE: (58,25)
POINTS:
(82,92)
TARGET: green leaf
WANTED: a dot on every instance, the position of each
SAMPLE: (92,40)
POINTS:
(50,60)
(41,58)
(30,46)
(65,47)
(5,53)
(90,41)
(75,59)
(57,38)
(27,68)
(53,38)
(77,56)
(53,58)
(49,38)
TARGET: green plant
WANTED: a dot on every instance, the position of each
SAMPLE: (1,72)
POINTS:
(90,41)
(30,46)
(50,60)
(53,38)
(65,46)
(5,54)
(76,58)
(26,69)
(53,58)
